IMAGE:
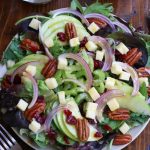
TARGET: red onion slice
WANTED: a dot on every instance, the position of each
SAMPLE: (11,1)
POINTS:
(21,68)
(134,77)
(108,51)
(103,18)
(79,83)
(148,100)
(70,11)
(85,66)
(3,70)
(35,89)
(123,27)
(45,47)
(147,70)
(52,114)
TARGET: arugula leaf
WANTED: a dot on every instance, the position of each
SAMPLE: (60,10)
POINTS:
(143,90)
(97,7)
(76,5)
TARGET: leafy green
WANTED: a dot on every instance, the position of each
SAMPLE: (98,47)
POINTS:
(143,90)
(76,5)
(82,97)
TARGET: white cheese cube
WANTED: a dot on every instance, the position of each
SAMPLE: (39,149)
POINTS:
(61,97)
(116,68)
(91,46)
(91,109)
(109,83)
(122,48)
(49,42)
(124,76)
(113,104)
(93,27)
(51,83)
(10,63)
(22,105)
(100,55)
(74,42)
(62,63)
(31,69)
(34,24)
(93,93)
(124,128)
(144,79)
(34,126)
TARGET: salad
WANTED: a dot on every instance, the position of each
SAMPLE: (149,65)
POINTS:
(76,78)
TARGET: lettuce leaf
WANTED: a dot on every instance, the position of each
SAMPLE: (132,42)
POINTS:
(77,6)
(143,90)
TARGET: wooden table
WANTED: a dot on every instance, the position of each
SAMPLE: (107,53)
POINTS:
(12,10)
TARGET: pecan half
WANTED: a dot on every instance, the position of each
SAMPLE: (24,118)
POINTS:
(70,30)
(82,129)
(119,114)
(98,21)
(50,68)
(133,56)
(121,139)
(143,72)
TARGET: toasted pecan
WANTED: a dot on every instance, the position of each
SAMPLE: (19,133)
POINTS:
(143,72)
(98,21)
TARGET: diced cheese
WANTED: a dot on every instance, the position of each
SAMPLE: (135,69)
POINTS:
(91,46)
(124,128)
(122,48)
(113,104)
(91,109)
(51,83)
(34,126)
(124,76)
(109,83)
(116,68)
(100,55)
(49,42)
(61,97)
(22,105)
(34,24)
(10,63)
(93,27)
(31,69)
(93,93)
(62,63)
(145,80)
(74,42)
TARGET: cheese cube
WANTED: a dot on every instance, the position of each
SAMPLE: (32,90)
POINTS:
(74,42)
(122,48)
(61,96)
(144,79)
(91,109)
(109,83)
(93,93)
(34,24)
(34,126)
(124,128)
(124,76)
(113,104)
(91,46)
(10,63)
(49,42)
(22,105)
(93,27)
(116,68)
(51,83)
(31,69)
(62,63)
(100,55)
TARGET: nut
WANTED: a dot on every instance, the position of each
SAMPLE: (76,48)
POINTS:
(121,139)
(119,114)
(82,129)
(50,68)
(98,21)
(70,30)
(143,72)
(148,90)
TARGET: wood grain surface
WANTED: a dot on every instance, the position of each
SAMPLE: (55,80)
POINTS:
(131,10)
